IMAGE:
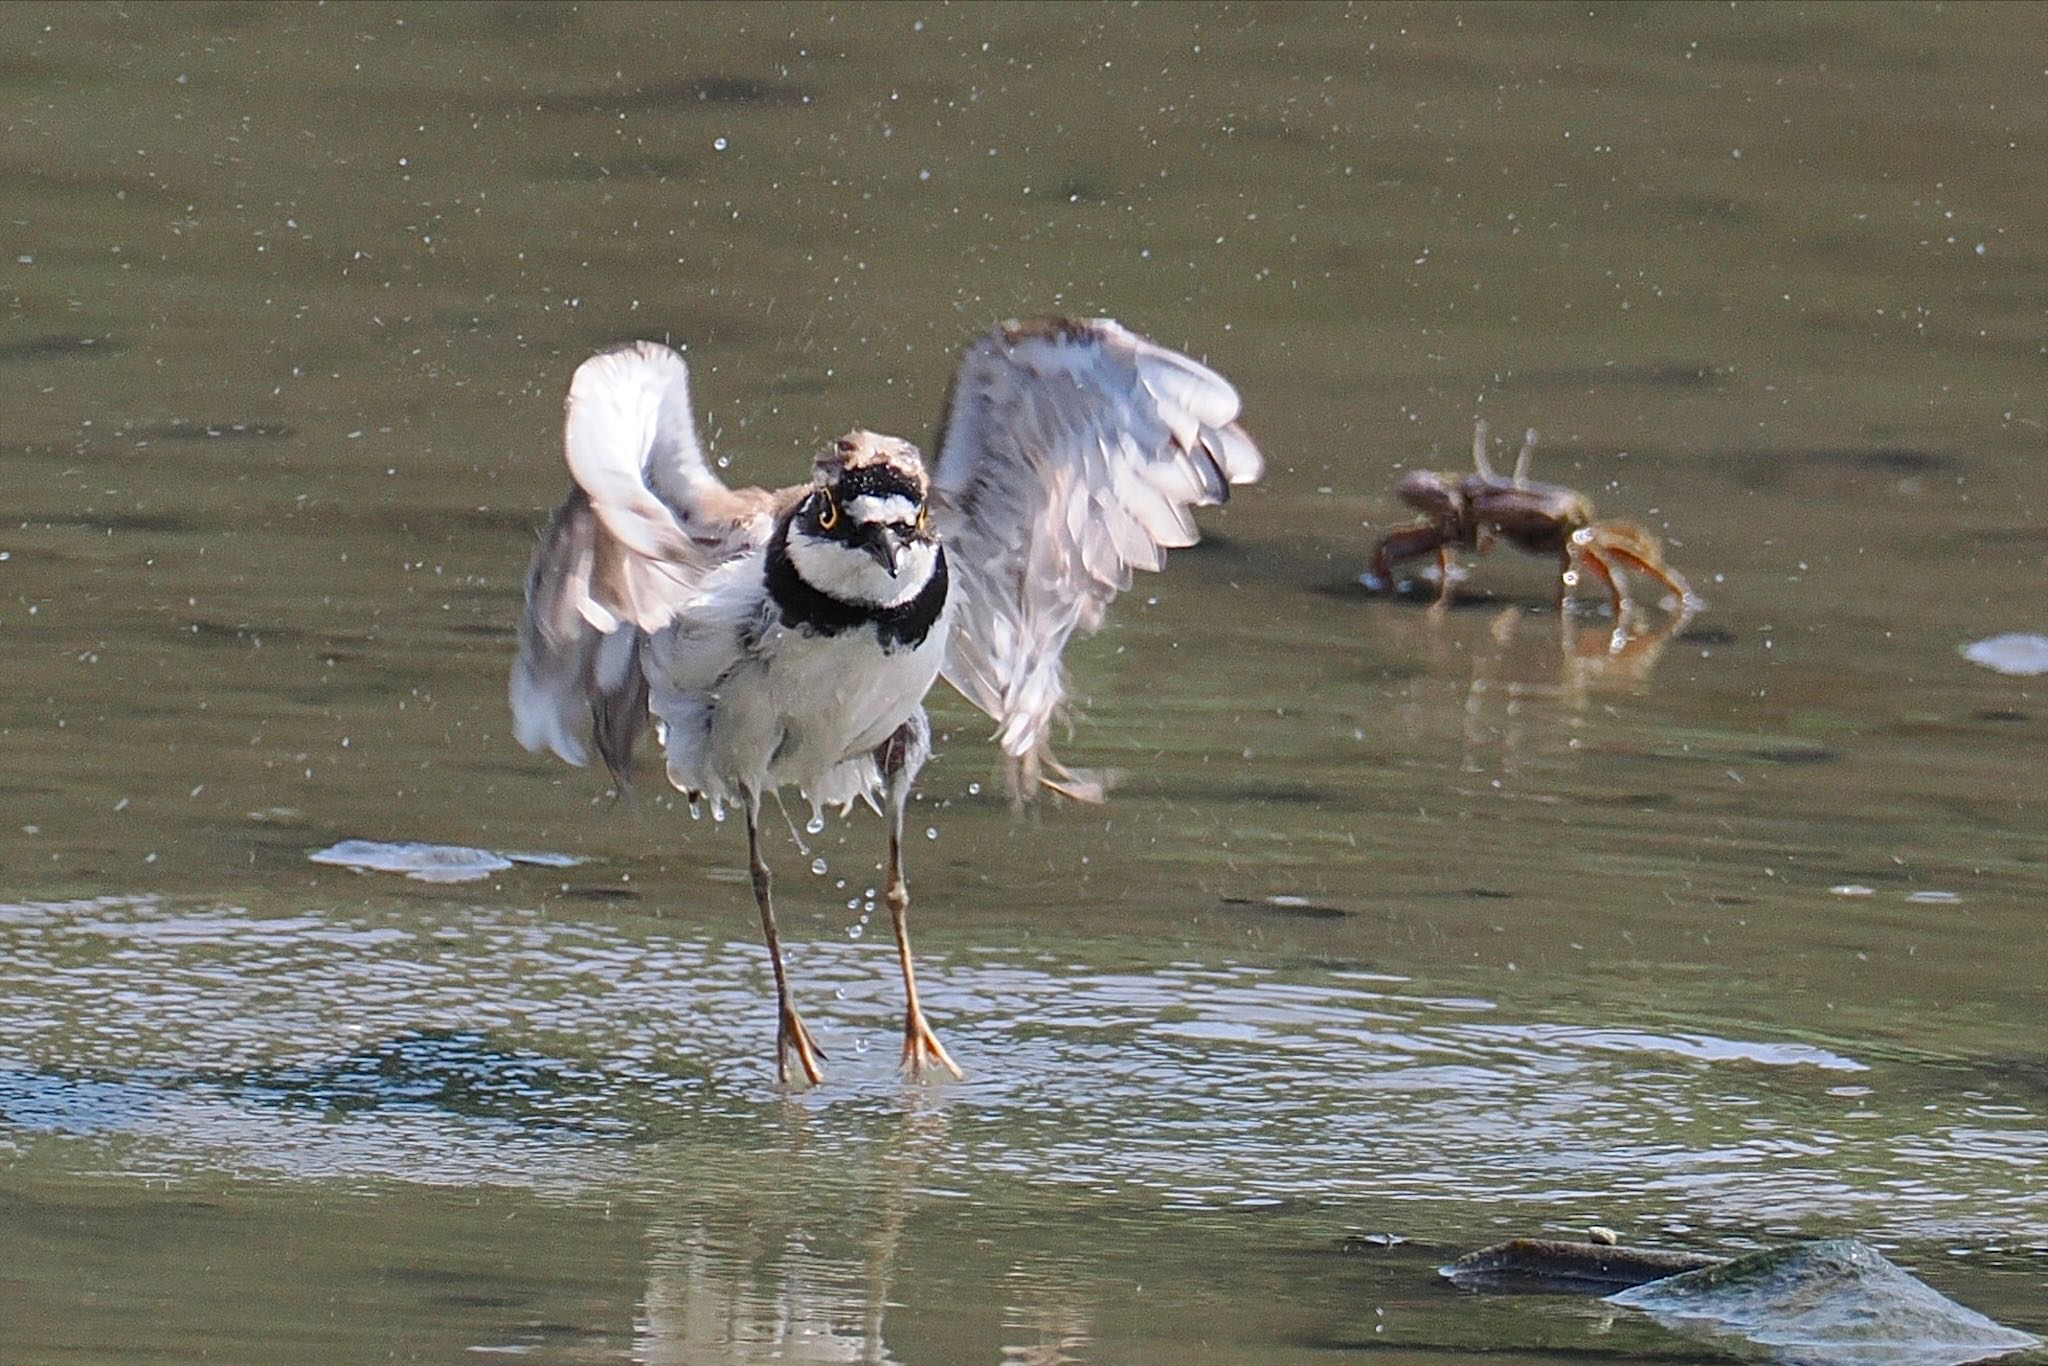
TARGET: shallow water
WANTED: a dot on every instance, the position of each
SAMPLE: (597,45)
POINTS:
(1400,926)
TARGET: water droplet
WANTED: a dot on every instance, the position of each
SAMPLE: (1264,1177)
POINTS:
(818,866)
(718,144)
(855,931)
(816,824)
(931,832)
(974,789)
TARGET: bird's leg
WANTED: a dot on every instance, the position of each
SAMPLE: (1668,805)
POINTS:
(920,1045)
(790,1034)
(900,756)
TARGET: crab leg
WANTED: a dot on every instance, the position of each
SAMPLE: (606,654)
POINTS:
(1637,549)
(1408,543)
(1673,582)
(1588,555)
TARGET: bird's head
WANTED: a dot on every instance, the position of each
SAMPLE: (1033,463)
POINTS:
(869,499)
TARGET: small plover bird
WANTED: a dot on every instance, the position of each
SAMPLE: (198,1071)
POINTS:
(789,636)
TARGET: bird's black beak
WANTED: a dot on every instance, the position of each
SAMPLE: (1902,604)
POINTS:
(881,543)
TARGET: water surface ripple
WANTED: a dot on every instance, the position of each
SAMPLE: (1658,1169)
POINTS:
(486,1043)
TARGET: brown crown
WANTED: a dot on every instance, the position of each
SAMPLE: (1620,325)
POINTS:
(859,450)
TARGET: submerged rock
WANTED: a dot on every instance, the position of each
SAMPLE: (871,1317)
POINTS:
(1827,1304)
(1835,1303)
(1552,1264)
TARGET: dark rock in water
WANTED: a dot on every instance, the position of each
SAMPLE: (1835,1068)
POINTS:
(1827,1304)
(1837,1303)
(1550,1264)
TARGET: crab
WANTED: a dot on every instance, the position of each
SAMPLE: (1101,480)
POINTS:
(1539,519)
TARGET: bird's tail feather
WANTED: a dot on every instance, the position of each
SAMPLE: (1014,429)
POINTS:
(567,667)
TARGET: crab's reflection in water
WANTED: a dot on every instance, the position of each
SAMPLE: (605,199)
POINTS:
(1541,665)
(811,1263)
(1617,657)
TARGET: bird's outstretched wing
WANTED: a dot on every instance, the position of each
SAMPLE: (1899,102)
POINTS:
(625,553)
(1072,452)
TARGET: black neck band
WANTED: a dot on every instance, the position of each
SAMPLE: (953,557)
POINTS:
(810,609)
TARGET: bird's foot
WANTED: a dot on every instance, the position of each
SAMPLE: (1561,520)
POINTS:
(921,1048)
(792,1037)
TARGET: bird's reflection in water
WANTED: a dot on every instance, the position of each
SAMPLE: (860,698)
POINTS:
(1058,1334)
(803,1258)
(764,1293)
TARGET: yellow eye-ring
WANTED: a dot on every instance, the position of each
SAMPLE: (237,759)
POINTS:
(924,518)
(828,516)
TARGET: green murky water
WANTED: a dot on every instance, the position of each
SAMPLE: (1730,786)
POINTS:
(1428,927)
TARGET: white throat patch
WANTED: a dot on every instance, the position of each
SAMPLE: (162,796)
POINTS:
(839,570)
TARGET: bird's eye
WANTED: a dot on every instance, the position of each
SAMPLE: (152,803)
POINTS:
(828,515)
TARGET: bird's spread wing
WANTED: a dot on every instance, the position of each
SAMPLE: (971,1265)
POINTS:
(1072,453)
(626,551)
(631,443)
